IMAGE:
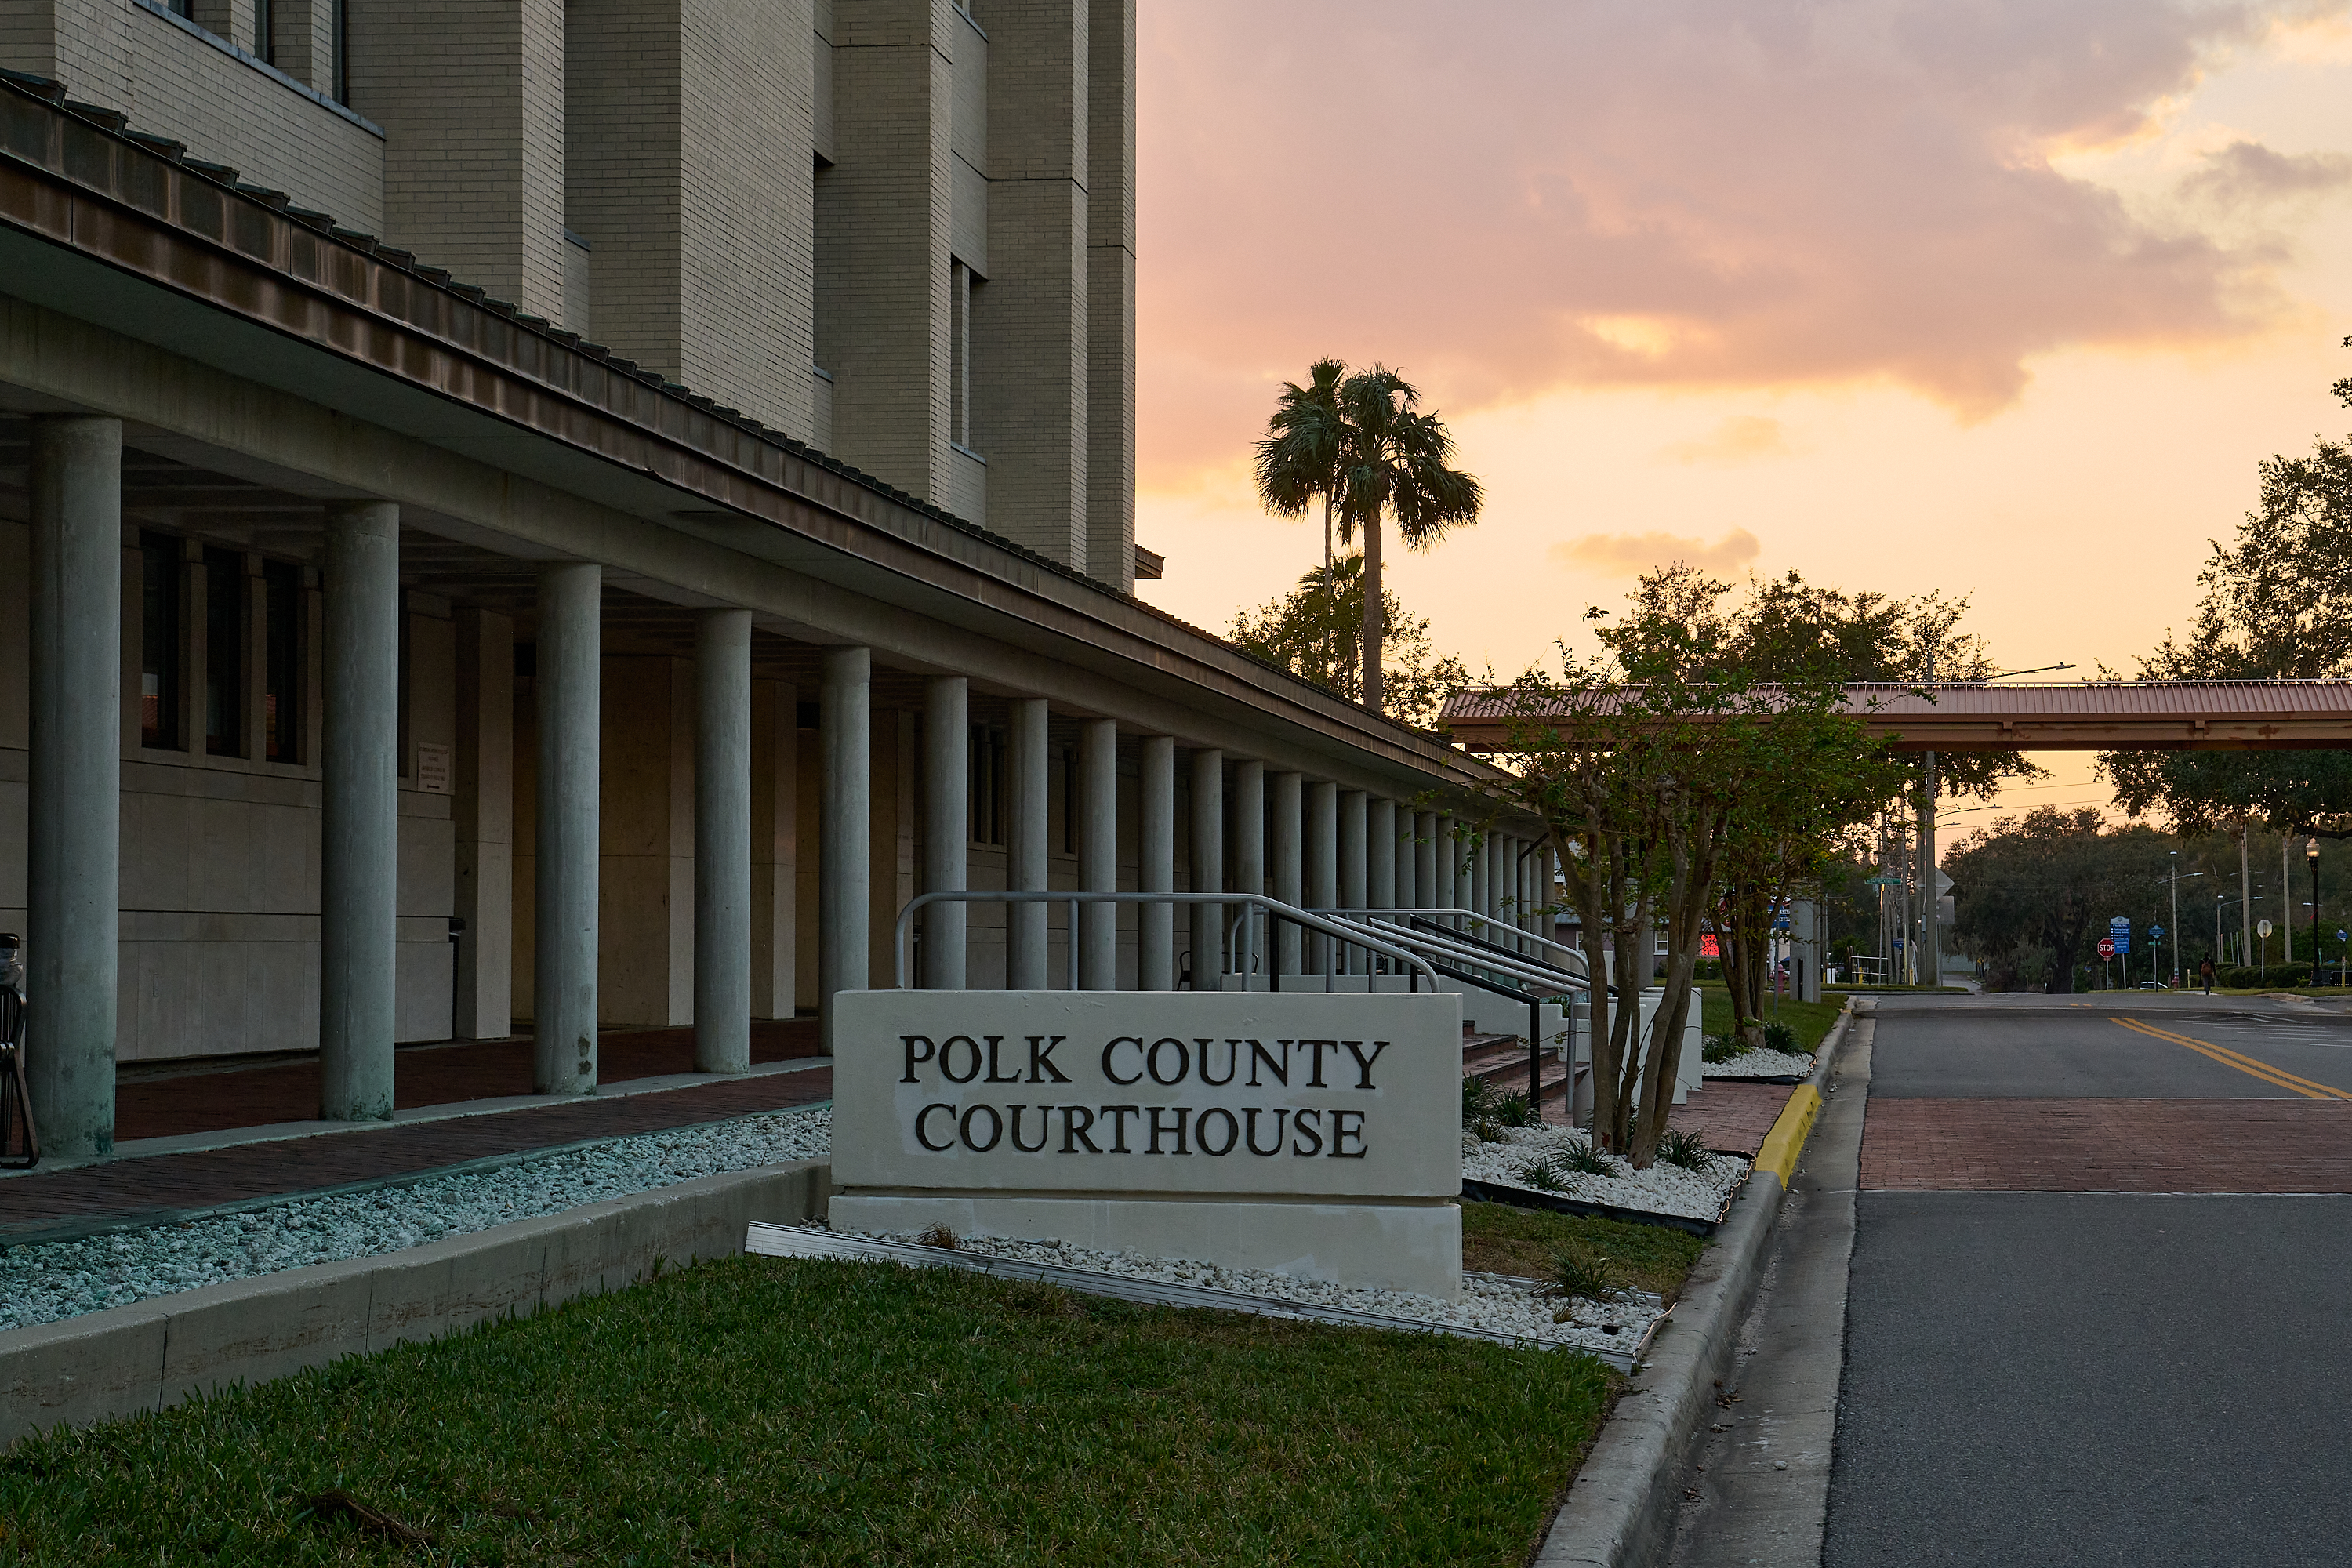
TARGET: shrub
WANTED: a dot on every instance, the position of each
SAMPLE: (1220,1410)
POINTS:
(1478,1100)
(1575,1274)
(1687,1150)
(1544,1176)
(2238,977)
(1586,1158)
(1720,1048)
(1778,1037)
(1512,1110)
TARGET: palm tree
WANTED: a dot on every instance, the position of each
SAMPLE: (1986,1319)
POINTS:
(1298,457)
(1394,461)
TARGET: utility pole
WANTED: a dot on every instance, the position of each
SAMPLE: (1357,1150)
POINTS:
(2286,900)
(1931,932)
(2245,896)
(2176,920)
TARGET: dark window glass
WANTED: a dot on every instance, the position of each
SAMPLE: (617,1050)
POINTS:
(159,641)
(1070,800)
(224,653)
(281,661)
(185,9)
(264,31)
(985,789)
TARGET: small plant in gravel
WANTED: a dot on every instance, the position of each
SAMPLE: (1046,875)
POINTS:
(1778,1037)
(1489,1130)
(1685,1149)
(1512,1110)
(1478,1100)
(1577,1275)
(1544,1176)
(1585,1158)
(1720,1048)
(938,1236)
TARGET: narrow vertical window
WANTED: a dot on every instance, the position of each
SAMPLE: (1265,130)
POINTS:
(159,641)
(1070,800)
(959,355)
(985,787)
(400,697)
(281,661)
(224,653)
(265,29)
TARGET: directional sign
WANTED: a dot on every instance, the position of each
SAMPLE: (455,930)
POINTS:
(2156,933)
(2264,928)
(2106,947)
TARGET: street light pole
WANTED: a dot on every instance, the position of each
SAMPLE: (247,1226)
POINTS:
(2311,854)
(2176,920)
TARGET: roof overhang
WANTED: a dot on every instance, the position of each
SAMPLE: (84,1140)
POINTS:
(2089,716)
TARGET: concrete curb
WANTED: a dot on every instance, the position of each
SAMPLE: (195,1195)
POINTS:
(152,1354)
(1620,1510)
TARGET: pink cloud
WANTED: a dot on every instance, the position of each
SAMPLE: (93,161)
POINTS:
(1511,198)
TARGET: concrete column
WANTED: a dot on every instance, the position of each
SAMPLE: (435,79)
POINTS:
(1249,852)
(75,816)
(1481,885)
(570,771)
(1462,849)
(776,849)
(360,824)
(1382,859)
(947,825)
(722,840)
(1322,827)
(1425,862)
(1026,826)
(1155,942)
(844,828)
(484,809)
(1353,864)
(1208,866)
(1097,835)
(1287,822)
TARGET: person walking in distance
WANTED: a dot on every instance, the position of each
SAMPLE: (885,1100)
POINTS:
(2205,972)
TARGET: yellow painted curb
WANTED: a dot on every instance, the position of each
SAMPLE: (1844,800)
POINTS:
(1787,1139)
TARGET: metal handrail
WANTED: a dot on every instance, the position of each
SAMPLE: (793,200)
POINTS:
(1524,970)
(1518,932)
(1274,907)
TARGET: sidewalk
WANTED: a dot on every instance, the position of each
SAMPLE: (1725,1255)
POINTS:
(263,1147)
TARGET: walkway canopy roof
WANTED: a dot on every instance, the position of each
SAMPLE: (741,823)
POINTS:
(2084,716)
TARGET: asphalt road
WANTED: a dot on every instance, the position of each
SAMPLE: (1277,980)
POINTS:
(2092,1378)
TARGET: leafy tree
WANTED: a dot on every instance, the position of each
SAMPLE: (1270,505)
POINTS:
(2277,605)
(1360,444)
(1316,631)
(1649,766)
(2032,895)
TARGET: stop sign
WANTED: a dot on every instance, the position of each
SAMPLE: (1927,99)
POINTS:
(2106,947)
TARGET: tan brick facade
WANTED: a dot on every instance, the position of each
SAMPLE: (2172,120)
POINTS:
(896,230)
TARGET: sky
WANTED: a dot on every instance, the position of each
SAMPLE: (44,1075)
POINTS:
(2003,298)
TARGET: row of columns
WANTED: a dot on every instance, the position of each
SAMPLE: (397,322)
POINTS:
(1327,846)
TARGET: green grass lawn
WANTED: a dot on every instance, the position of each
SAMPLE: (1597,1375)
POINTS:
(1501,1238)
(1810,1020)
(765,1411)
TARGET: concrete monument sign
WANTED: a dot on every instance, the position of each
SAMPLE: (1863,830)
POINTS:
(1312,1133)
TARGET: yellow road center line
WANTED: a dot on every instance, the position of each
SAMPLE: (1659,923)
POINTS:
(2275,1076)
(2250,1062)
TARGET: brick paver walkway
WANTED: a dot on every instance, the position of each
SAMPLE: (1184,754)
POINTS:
(40,1204)
(1733,1116)
(2107,1145)
(210,1101)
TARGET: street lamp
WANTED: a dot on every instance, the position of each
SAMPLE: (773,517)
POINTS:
(2311,854)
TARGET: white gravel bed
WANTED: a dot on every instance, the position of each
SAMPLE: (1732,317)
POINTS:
(1487,1302)
(1662,1189)
(45,1281)
(1762,1063)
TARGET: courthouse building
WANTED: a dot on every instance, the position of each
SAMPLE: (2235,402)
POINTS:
(520,517)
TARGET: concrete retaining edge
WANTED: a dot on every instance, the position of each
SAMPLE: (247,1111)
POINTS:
(1620,1510)
(152,1354)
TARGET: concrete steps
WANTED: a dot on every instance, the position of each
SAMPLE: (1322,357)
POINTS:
(1502,1060)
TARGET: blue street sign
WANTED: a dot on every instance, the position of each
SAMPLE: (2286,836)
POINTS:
(2120,933)
(2156,933)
